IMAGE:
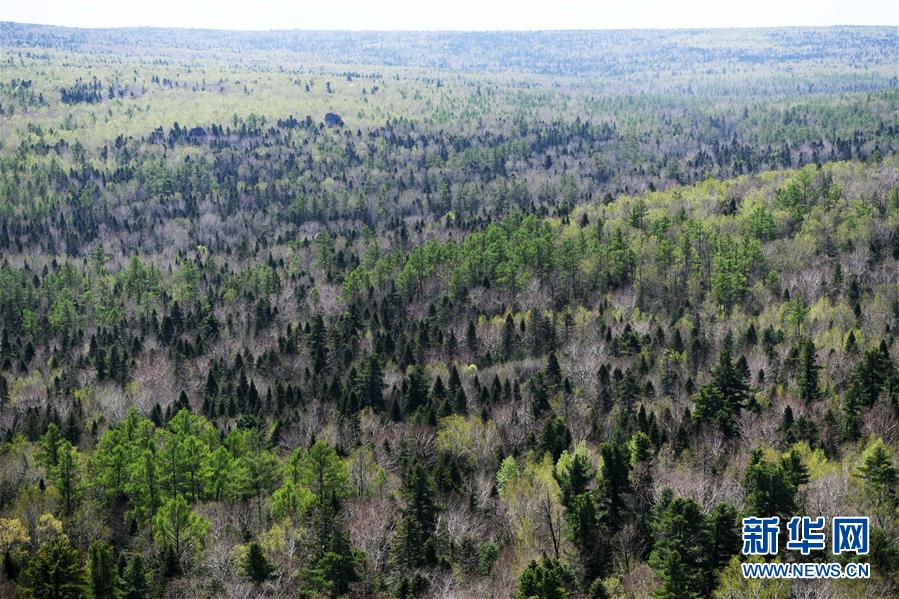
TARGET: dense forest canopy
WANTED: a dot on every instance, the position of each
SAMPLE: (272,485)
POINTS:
(541,314)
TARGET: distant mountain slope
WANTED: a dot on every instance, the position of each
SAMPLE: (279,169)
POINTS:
(574,53)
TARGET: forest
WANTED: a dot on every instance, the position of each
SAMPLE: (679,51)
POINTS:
(396,315)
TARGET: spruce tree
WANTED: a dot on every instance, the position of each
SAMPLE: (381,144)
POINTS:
(103,579)
(721,400)
(416,543)
(879,477)
(681,554)
(673,583)
(724,529)
(614,484)
(807,376)
(556,437)
(553,370)
(544,579)
(337,567)
(210,393)
(371,384)
(316,339)
(134,579)
(589,536)
(256,566)
(508,338)
(415,389)
(786,426)
(66,476)
(471,338)
(771,487)
(55,572)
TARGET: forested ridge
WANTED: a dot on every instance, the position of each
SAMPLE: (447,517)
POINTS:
(479,335)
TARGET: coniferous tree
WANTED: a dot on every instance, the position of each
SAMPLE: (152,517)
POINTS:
(179,533)
(787,423)
(416,542)
(582,519)
(471,338)
(55,572)
(539,392)
(556,437)
(544,580)
(641,496)
(614,486)
(316,339)
(66,476)
(674,581)
(721,400)
(256,476)
(321,471)
(680,554)
(851,346)
(725,539)
(371,384)
(771,487)
(134,579)
(807,377)
(415,389)
(508,338)
(210,394)
(337,567)
(103,579)
(48,453)
(256,566)
(879,477)
(553,370)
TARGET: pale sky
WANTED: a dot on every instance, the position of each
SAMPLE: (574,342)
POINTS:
(450,14)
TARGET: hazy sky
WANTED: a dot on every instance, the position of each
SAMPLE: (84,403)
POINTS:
(450,14)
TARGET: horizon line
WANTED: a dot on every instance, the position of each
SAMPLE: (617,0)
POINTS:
(550,30)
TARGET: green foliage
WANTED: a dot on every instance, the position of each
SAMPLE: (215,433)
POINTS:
(675,582)
(337,567)
(556,437)
(256,566)
(320,470)
(543,580)
(416,542)
(470,276)
(807,375)
(371,384)
(879,478)
(66,476)
(179,533)
(724,527)
(134,579)
(54,572)
(795,196)
(721,401)
(795,312)
(762,224)
(771,487)
(257,474)
(103,578)
(48,454)
(488,553)
(583,527)
(734,264)
(508,471)
(689,546)
(614,483)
